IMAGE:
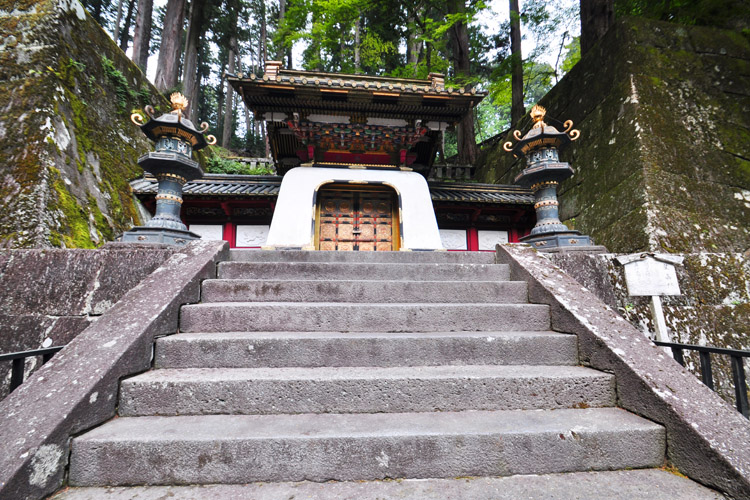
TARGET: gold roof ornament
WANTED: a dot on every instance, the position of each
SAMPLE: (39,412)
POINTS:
(179,102)
(537,114)
(540,134)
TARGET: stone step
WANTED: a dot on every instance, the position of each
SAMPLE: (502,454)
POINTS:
(312,349)
(323,447)
(240,255)
(242,290)
(345,317)
(641,484)
(363,271)
(258,391)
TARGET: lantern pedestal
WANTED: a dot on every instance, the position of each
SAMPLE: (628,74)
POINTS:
(162,236)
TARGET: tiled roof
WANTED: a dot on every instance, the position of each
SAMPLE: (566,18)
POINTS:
(218,185)
(480,193)
(433,85)
(268,187)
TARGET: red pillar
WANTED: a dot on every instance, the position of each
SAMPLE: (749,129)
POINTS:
(472,239)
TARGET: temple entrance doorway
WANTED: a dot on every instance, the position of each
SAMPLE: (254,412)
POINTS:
(363,218)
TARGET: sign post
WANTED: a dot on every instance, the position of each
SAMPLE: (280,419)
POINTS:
(652,275)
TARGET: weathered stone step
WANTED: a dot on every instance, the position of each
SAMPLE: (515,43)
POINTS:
(345,317)
(311,349)
(253,391)
(642,484)
(242,290)
(363,271)
(323,447)
(240,255)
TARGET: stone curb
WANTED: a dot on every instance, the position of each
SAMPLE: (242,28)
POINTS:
(707,439)
(77,389)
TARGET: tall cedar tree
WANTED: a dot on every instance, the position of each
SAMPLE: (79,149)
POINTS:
(125,35)
(190,67)
(142,35)
(171,40)
(459,42)
(517,109)
(596,18)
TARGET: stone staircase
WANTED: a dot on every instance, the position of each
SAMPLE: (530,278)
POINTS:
(314,367)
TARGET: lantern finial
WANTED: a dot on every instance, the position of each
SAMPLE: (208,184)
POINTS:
(179,102)
(537,114)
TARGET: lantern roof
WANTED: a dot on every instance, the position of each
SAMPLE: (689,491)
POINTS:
(173,124)
(541,135)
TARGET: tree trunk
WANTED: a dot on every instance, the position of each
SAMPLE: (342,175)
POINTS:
(248,119)
(190,69)
(596,18)
(169,52)
(204,71)
(96,11)
(459,43)
(118,20)
(228,114)
(125,35)
(517,108)
(280,53)
(142,35)
(357,60)
(263,56)
(413,45)
(263,34)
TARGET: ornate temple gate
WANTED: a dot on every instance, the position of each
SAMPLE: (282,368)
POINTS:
(362,219)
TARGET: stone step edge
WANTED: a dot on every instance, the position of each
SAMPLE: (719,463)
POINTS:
(364,373)
(321,447)
(635,484)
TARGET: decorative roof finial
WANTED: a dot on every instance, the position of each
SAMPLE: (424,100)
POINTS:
(537,114)
(540,130)
(179,102)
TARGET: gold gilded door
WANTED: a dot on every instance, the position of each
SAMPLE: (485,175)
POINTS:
(356,220)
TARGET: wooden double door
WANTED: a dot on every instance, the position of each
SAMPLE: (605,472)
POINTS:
(364,220)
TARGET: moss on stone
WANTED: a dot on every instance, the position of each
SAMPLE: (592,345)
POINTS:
(78,130)
(76,228)
(664,104)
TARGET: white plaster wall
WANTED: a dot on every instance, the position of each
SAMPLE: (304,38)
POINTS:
(292,224)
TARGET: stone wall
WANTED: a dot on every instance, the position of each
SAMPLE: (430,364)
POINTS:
(713,310)
(67,146)
(663,162)
(50,296)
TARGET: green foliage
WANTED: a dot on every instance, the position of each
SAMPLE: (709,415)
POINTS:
(125,94)
(572,54)
(218,163)
(118,81)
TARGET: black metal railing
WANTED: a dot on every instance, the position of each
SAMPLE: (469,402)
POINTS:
(738,369)
(19,360)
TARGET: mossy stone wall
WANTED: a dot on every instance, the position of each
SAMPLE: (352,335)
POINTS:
(663,162)
(67,146)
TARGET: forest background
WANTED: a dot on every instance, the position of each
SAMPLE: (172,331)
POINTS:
(192,45)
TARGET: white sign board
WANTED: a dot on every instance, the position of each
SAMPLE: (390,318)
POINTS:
(649,277)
